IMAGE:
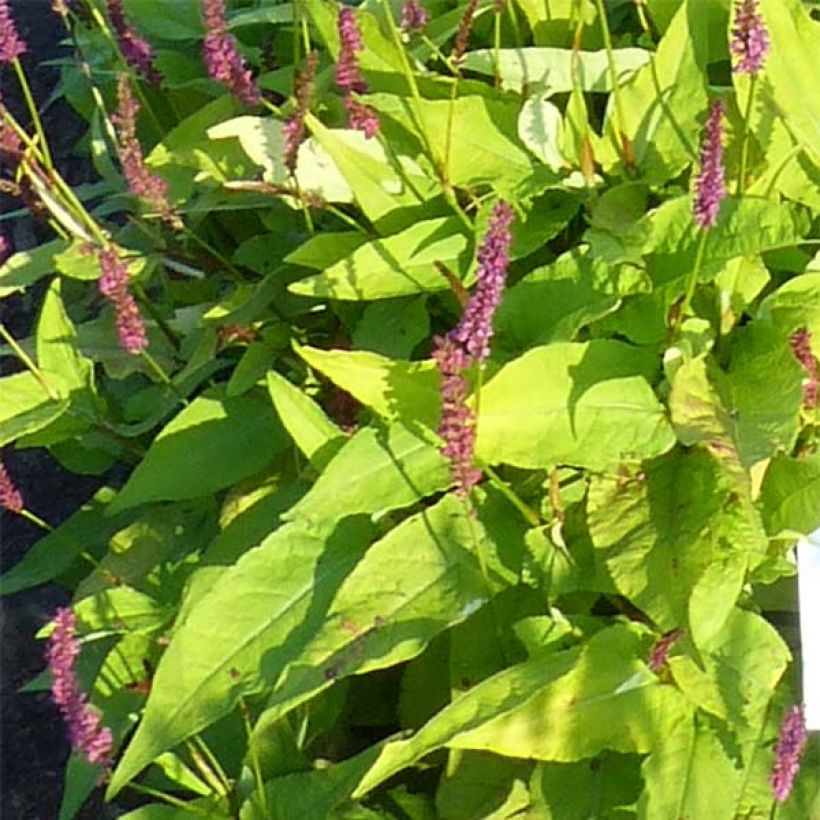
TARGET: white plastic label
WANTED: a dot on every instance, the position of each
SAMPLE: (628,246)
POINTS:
(808,576)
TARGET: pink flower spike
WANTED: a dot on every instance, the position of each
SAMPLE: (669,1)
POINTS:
(414,16)
(113,285)
(136,51)
(793,737)
(10,498)
(800,343)
(710,187)
(85,730)
(294,127)
(221,56)
(11,44)
(659,653)
(750,40)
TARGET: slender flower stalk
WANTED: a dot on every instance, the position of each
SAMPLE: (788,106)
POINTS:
(85,730)
(710,186)
(294,128)
(800,343)
(468,344)
(144,185)
(12,44)
(349,77)
(136,51)
(222,57)
(790,745)
(10,497)
(750,42)
(414,16)
(113,285)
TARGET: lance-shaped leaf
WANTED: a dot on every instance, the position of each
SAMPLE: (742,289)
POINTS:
(562,706)
(404,467)
(214,442)
(791,495)
(306,607)
(394,266)
(588,405)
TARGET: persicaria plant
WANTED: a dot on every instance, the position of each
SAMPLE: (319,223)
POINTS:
(448,374)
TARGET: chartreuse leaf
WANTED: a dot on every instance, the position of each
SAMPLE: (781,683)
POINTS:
(24,268)
(236,632)
(583,404)
(661,107)
(311,430)
(561,706)
(394,266)
(306,607)
(690,773)
(588,788)
(740,665)
(378,185)
(404,467)
(27,405)
(394,389)
(472,138)
(481,784)
(213,443)
(421,578)
(552,303)
(555,70)
(659,529)
(790,494)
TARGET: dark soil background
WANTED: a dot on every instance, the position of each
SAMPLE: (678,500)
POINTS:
(33,744)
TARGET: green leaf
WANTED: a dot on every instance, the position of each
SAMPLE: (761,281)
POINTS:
(25,267)
(238,633)
(483,136)
(663,104)
(481,785)
(660,528)
(592,407)
(26,406)
(690,774)
(603,787)
(119,609)
(393,327)
(88,528)
(555,70)
(739,668)
(378,185)
(420,579)
(562,706)
(324,249)
(404,467)
(311,430)
(554,302)
(790,494)
(394,389)
(213,443)
(394,266)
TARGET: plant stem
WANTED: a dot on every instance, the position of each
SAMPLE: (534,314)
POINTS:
(27,361)
(167,798)
(35,519)
(613,78)
(693,278)
(35,114)
(744,149)
(163,376)
(254,752)
(212,770)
